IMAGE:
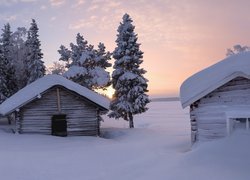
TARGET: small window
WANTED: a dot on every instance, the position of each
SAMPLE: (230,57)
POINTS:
(241,123)
(59,125)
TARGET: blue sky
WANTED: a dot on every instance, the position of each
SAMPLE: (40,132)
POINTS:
(178,38)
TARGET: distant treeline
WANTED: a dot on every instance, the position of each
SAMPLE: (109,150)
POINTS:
(165,99)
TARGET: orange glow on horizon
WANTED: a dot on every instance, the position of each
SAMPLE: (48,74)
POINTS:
(178,38)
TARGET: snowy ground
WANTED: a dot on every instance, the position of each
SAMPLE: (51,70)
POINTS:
(157,149)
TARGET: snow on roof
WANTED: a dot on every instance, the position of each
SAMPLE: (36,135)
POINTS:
(209,79)
(36,88)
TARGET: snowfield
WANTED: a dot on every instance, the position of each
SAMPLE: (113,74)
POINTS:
(157,149)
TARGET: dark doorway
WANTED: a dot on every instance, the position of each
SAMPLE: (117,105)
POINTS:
(59,125)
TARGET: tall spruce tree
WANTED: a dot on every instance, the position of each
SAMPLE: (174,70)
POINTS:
(4,92)
(130,86)
(8,78)
(34,65)
(85,65)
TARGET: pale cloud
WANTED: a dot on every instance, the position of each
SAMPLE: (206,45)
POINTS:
(104,5)
(93,7)
(111,5)
(11,18)
(11,2)
(105,17)
(153,21)
(8,18)
(78,3)
(82,23)
(57,2)
(53,18)
(7,2)
(27,1)
(103,23)
(43,7)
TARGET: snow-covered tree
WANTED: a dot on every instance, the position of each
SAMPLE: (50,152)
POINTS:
(4,92)
(34,65)
(65,56)
(19,38)
(85,65)
(76,68)
(7,64)
(100,76)
(102,57)
(130,86)
(57,68)
(237,49)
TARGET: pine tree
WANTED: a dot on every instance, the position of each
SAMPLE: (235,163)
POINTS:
(102,57)
(100,76)
(76,67)
(130,86)
(4,92)
(86,66)
(7,64)
(34,65)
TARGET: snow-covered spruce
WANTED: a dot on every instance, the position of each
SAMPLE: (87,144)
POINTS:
(34,65)
(3,88)
(130,86)
(7,70)
(86,65)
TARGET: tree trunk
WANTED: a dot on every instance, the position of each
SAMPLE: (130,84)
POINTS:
(131,122)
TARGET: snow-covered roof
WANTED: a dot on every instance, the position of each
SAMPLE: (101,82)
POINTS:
(39,86)
(209,79)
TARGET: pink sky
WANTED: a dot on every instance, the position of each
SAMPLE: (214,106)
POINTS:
(178,37)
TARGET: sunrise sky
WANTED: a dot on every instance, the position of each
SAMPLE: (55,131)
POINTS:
(178,37)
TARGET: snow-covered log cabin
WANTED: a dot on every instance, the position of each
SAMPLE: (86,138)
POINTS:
(219,98)
(57,106)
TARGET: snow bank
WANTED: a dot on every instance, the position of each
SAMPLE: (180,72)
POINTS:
(35,90)
(207,80)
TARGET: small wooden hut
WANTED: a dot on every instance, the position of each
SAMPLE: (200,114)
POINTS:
(219,98)
(57,106)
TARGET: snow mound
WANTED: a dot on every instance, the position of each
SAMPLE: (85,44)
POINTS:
(207,80)
(35,89)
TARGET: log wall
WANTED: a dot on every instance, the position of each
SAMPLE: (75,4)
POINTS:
(207,115)
(81,115)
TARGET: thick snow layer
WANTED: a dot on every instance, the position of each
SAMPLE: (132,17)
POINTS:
(100,76)
(35,89)
(207,80)
(74,71)
(157,149)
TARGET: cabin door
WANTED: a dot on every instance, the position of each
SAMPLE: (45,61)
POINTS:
(59,125)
